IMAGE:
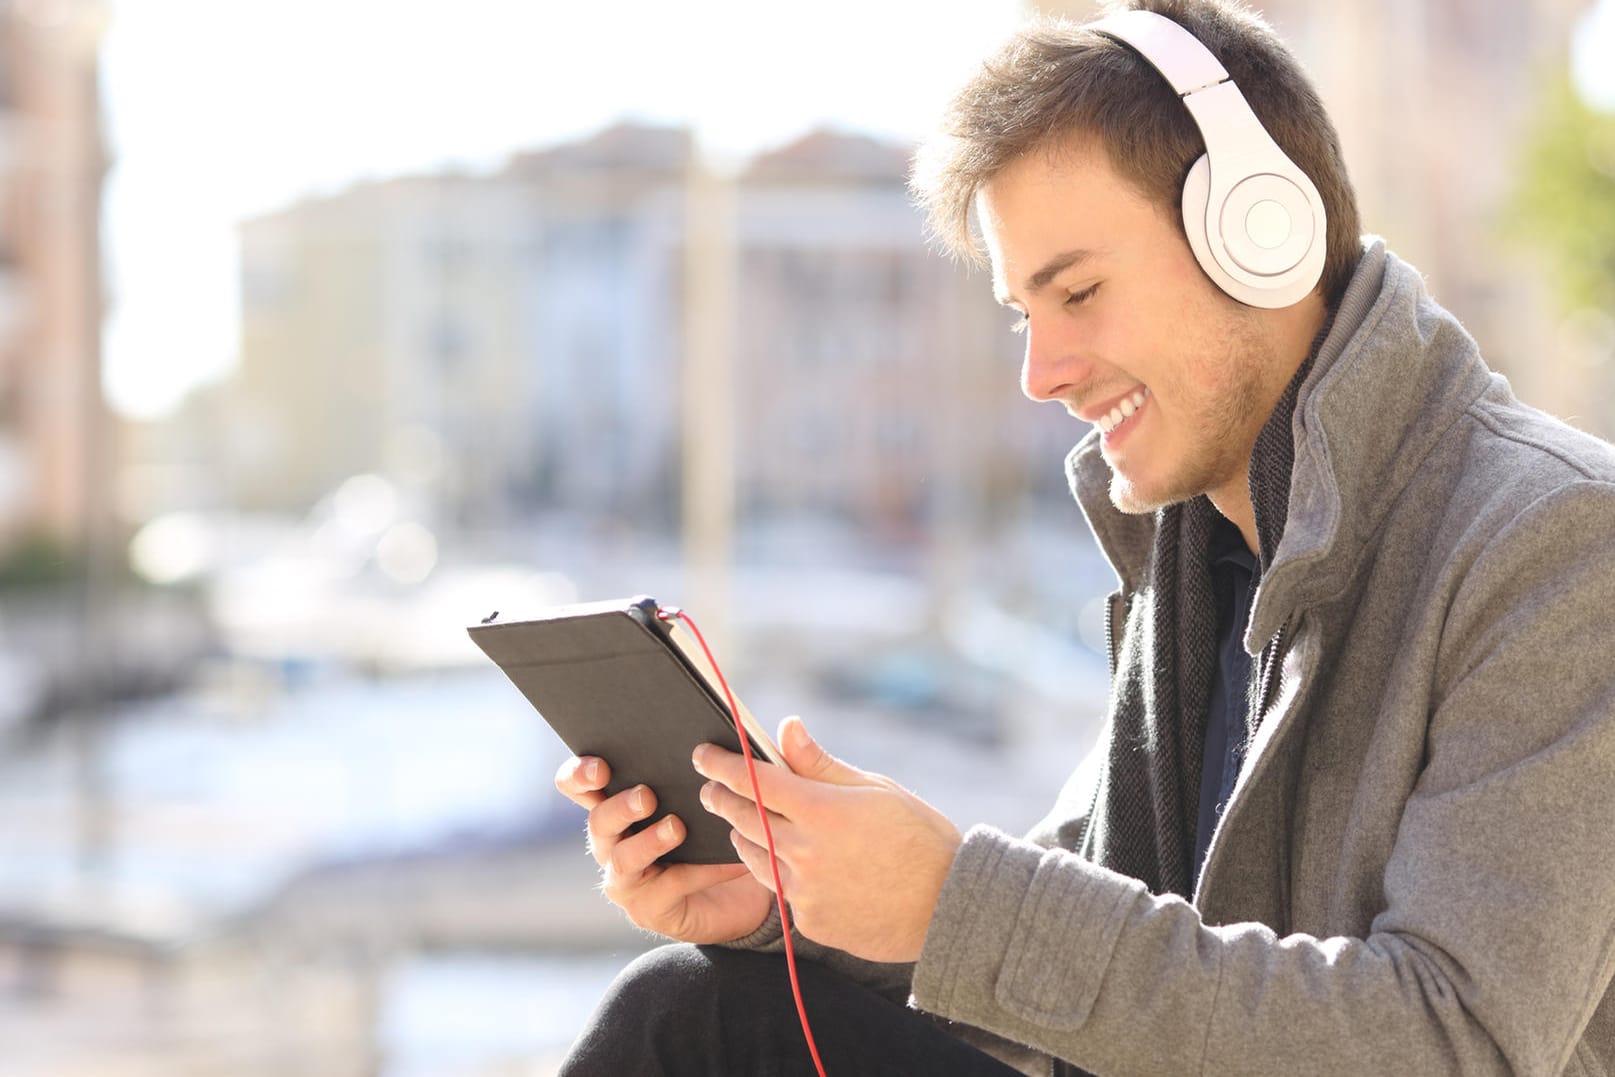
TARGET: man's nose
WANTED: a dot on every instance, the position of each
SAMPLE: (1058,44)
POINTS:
(1051,365)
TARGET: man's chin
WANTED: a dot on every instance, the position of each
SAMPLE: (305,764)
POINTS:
(1135,499)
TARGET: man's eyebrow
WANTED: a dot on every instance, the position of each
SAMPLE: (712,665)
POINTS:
(1054,267)
(1051,269)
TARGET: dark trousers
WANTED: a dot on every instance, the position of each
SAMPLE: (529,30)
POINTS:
(711,1012)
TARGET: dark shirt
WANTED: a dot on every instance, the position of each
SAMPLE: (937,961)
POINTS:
(1233,575)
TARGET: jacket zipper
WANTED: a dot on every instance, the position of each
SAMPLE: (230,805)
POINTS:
(1110,632)
(1274,653)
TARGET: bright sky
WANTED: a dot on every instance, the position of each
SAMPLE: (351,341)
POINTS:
(219,109)
(1593,55)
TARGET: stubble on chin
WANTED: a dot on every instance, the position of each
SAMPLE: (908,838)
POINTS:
(1217,464)
(1129,498)
(1217,447)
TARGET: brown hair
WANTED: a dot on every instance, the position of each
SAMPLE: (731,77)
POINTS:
(1054,82)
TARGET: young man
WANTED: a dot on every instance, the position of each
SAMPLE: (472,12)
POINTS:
(1352,811)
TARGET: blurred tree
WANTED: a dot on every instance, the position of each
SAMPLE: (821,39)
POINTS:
(39,561)
(1564,202)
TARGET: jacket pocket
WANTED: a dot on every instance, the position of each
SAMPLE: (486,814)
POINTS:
(1061,943)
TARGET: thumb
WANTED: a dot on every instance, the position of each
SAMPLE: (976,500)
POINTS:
(807,759)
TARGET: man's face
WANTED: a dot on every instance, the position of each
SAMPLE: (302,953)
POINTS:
(1121,324)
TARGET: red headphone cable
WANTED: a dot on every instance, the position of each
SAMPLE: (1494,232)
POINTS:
(668,613)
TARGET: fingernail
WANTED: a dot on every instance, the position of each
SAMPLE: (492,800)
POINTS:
(636,799)
(706,796)
(664,829)
(695,758)
(591,770)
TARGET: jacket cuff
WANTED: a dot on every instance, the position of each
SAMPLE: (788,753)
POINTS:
(766,936)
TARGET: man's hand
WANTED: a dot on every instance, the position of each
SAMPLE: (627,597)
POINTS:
(688,902)
(861,859)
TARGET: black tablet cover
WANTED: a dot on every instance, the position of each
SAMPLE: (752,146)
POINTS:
(610,680)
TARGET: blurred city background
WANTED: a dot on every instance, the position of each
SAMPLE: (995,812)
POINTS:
(328,328)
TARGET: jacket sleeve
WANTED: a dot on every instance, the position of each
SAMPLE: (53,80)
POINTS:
(1496,940)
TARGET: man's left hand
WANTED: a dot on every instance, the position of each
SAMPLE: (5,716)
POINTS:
(861,859)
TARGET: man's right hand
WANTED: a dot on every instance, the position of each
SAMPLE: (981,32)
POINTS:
(688,902)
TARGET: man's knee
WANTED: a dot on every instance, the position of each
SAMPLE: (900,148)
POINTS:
(680,1002)
(704,1010)
(675,979)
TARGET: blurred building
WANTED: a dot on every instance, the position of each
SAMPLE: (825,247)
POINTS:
(54,428)
(529,326)
(876,379)
(601,318)
(379,325)
(492,342)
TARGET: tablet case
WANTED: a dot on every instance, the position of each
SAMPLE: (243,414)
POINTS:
(610,680)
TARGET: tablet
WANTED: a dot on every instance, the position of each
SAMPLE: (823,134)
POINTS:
(616,680)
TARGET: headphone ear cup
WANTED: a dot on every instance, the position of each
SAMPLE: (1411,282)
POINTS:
(1196,197)
(1301,254)
(1264,241)
(1267,225)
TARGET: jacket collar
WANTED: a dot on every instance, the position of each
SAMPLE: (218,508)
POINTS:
(1390,378)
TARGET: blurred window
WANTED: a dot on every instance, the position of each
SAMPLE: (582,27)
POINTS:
(448,339)
(265,286)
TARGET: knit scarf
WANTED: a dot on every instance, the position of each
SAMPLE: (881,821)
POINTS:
(1144,820)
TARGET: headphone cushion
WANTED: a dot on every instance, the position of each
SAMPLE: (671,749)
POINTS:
(1196,196)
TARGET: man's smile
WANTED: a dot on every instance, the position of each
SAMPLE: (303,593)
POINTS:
(1120,411)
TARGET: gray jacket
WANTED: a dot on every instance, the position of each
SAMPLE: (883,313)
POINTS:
(1416,871)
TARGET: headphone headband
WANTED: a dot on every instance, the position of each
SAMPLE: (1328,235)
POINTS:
(1253,218)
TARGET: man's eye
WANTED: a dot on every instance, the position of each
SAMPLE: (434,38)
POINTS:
(1072,300)
(1083,296)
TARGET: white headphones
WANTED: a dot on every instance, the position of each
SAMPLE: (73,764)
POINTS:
(1254,220)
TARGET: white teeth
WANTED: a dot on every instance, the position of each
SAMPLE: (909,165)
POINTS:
(1123,411)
